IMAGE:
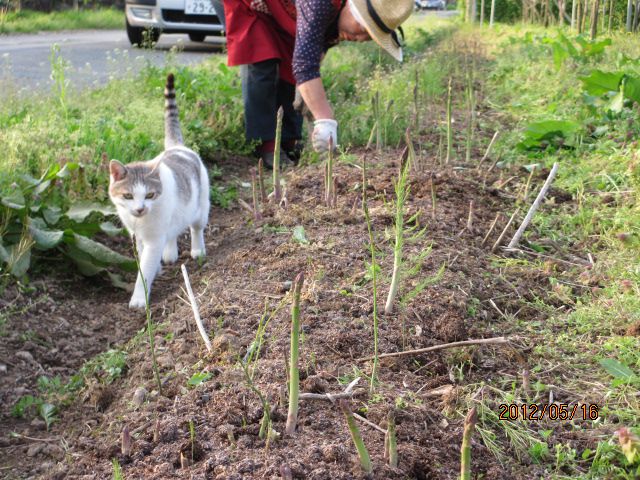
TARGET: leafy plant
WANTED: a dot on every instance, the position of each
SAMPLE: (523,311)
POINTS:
(48,413)
(549,133)
(198,378)
(106,366)
(35,217)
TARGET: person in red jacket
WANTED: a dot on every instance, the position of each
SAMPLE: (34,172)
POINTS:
(279,44)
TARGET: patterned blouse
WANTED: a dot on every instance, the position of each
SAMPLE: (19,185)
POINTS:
(316,31)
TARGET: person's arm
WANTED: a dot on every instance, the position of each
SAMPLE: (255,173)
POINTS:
(315,98)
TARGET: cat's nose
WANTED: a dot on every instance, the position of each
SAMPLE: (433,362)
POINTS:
(140,211)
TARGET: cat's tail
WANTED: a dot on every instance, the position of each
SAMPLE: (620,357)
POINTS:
(172,132)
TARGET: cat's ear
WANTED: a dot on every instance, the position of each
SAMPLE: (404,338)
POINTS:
(117,170)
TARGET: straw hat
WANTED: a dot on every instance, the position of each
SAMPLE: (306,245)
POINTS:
(381,18)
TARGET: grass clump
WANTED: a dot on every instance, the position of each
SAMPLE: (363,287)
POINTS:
(30,21)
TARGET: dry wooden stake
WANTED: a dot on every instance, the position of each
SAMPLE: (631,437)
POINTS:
(194,307)
(488,151)
(536,204)
(470,217)
(504,231)
(493,224)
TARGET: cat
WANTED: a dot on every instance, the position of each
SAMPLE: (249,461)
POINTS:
(158,199)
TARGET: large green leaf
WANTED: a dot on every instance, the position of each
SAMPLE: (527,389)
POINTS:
(599,82)
(110,229)
(4,254)
(52,214)
(83,261)
(617,369)
(81,211)
(45,239)
(19,261)
(632,88)
(101,253)
(555,132)
(616,104)
(15,200)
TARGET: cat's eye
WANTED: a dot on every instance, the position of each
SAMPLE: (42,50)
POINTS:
(127,196)
(150,195)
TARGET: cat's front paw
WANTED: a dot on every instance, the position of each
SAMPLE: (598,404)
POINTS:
(198,254)
(137,302)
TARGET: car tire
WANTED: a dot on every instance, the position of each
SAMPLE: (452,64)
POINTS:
(134,34)
(197,37)
(138,35)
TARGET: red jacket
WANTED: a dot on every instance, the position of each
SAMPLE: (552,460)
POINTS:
(254,36)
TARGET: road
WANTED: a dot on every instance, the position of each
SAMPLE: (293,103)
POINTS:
(93,56)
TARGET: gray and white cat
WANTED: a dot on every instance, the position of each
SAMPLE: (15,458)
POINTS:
(158,199)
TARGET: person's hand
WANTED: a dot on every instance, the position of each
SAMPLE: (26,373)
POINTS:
(323,130)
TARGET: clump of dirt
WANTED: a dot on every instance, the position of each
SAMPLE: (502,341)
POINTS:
(453,292)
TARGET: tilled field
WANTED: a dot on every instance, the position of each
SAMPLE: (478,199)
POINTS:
(248,271)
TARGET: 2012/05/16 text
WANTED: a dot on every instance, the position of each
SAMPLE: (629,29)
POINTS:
(552,411)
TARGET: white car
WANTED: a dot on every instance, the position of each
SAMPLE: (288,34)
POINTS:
(147,19)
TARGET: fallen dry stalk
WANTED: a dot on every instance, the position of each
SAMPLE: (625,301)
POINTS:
(534,207)
(480,341)
(504,231)
(470,217)
(194,307)
(493,225)
(488,151)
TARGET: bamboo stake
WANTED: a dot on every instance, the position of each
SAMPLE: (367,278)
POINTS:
(629,14)
(194,307)
(536,204)
(482,13)
(574,6)
(464,343)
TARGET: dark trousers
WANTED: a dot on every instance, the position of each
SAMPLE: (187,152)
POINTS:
(263,93)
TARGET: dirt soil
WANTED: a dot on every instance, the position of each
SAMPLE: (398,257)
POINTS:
(62,320)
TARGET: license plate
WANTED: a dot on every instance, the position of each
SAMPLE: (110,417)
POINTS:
(198,7)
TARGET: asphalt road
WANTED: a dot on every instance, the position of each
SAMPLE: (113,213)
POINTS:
(93,56)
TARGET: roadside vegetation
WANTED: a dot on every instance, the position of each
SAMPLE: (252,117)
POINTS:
(500,106)
(31,21)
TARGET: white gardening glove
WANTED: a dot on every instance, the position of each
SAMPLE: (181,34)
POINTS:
(323,130)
